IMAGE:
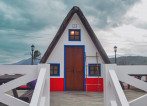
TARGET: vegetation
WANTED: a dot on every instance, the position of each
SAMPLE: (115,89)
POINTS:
(36,54)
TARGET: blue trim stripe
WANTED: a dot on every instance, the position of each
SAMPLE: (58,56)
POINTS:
(59,68)
(74,30)
(65,61)
(89,69)
(64,65)
(84,65)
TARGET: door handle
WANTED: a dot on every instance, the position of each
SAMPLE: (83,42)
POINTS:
(73,70)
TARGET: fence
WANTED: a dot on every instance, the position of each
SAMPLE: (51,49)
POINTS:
(41,94)
(113,93)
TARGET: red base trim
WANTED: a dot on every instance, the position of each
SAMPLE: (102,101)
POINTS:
(94,87)
(130,86)
(24,86)
(56,84)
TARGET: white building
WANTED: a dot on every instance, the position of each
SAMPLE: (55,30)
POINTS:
(76,56)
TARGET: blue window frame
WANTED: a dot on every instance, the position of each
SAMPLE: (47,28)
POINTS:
(94,69)
(74,34)
(54,69)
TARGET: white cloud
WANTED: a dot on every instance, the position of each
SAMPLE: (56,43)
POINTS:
(122,23)
(139,14)
(139,11)
(128,38)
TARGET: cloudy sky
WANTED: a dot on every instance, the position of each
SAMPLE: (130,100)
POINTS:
(115,22)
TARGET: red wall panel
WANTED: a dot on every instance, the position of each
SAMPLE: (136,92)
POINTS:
(94,81)
(56,84)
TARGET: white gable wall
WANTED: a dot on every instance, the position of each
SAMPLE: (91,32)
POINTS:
(57,55)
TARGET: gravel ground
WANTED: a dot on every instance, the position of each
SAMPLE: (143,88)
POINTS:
(79,98)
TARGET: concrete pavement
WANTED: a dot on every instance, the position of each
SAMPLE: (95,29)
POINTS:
(81,98)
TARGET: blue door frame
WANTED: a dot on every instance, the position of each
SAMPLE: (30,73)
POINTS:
(65,59)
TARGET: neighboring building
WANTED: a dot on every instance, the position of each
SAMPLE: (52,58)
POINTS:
(66,54)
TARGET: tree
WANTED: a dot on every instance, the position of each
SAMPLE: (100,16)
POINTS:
(36,54)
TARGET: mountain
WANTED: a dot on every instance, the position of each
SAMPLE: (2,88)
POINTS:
(130,60)
(28,61)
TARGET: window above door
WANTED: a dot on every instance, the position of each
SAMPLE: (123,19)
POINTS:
(74,34)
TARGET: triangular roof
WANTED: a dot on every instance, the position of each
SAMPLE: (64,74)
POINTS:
(63,26)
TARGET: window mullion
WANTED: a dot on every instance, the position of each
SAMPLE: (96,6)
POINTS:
(53,70)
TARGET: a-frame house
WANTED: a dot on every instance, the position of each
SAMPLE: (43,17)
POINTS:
(76,56)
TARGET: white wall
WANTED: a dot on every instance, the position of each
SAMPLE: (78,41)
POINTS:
(57,55)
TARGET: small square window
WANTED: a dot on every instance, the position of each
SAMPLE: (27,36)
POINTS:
(51,72)
(77,37)
(94,69)
(91,72)
(51,67)
(74,35)
(91,67)
(77,33)
(54,69)
(56,72)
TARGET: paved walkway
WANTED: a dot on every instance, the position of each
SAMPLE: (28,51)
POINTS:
(133,94)
(74,98)
(81,98)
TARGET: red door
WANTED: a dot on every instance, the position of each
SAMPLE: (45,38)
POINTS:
(74,68)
